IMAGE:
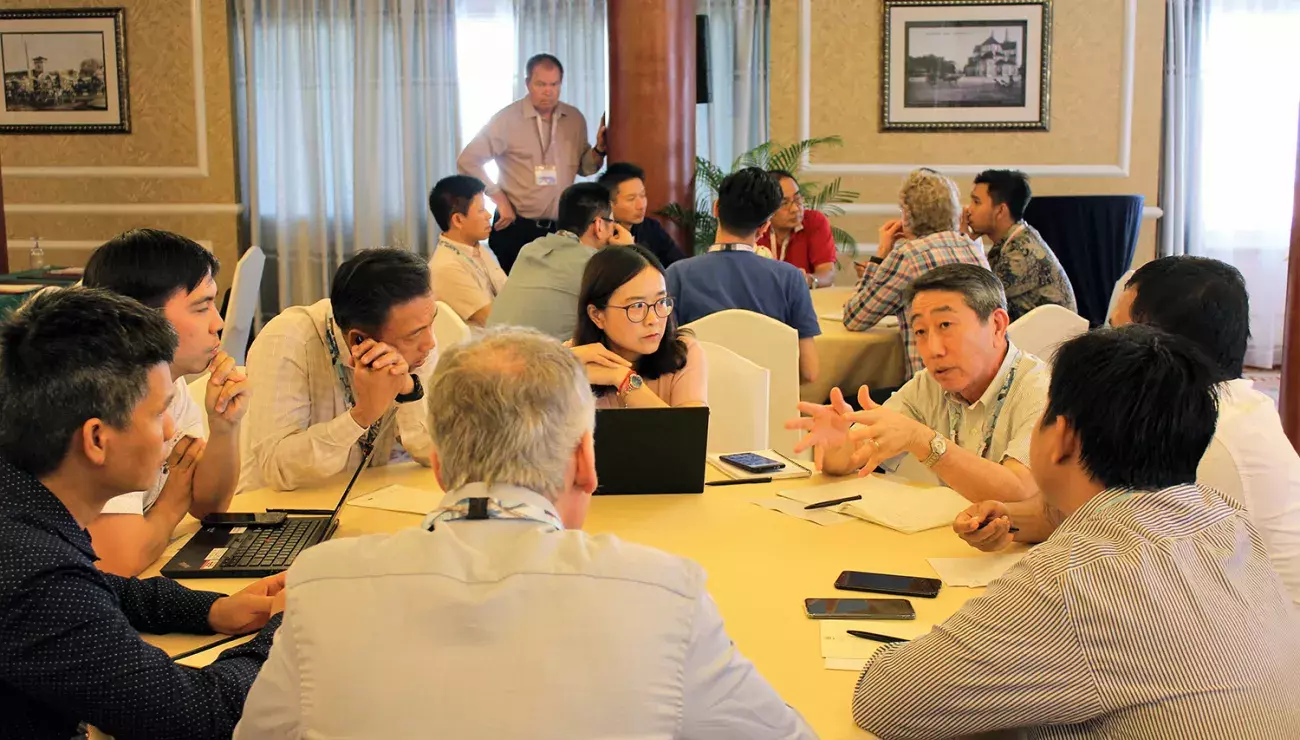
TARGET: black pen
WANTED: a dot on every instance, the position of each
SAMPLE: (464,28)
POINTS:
(739,481)
(876,637)
(989,521)
(832,502)
(302,512)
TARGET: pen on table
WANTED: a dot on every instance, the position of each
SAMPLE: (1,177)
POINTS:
(989,521)
(302,512)
(832,502)
(739,481)
(876,637)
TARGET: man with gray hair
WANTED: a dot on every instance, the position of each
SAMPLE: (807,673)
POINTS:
(967,416)
(498,617)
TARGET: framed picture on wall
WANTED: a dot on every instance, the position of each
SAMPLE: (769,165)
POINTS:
(966,64)
(64,71)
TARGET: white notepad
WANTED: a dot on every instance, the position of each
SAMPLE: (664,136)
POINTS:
(399,498)
(792,469)
(844,652)
(977,571)
(907,509)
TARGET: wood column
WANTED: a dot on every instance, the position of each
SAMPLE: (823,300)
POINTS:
(1289,402)
(4,235)
(652,97)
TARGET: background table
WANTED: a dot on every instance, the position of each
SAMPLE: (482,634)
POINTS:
(38,277)
(850,359)
(761,566)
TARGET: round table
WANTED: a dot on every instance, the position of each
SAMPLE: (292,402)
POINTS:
(850,359)
(761,566)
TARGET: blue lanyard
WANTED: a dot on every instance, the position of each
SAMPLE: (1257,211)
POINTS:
(954,411)
(482,508)
(478,269)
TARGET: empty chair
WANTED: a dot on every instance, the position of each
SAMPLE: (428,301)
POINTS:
(738,401)
(769,344)
(243,303)
(1042,329)
(448,328)
(199,391)
(1117,292)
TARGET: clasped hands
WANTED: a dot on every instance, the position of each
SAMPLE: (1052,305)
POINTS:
(879,434)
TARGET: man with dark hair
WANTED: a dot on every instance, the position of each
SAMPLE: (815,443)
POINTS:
(343,376)
(626,183)
(85,384)
(540,146)
(968,416)
(465,273)
(733,275)
(1027,267)
(800,236)
(177,277)
(1151,611)
(543,291)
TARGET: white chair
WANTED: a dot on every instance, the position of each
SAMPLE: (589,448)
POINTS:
(448,328)
(1117,292)
(738,401)
(243,303)
(769,344)
(1042,329)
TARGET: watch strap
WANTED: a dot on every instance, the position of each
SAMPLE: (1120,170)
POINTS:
(417,391)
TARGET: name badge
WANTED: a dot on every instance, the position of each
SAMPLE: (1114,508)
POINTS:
(546,175)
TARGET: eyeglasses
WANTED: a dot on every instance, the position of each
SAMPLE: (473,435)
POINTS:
(639,311)
(796,201)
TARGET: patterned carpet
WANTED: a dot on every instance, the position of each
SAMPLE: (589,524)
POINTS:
(1266,381)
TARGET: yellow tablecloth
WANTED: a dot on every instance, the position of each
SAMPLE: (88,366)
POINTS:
(850,359)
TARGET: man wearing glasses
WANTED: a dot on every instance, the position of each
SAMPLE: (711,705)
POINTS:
(542,291)
(800,236)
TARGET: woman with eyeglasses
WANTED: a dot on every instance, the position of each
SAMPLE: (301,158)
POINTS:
(627,337)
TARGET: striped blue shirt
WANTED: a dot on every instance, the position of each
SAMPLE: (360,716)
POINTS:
(1145,615)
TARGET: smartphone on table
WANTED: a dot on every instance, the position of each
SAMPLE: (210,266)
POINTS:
(263,519)
(753,463)
(883,583)
(858,609)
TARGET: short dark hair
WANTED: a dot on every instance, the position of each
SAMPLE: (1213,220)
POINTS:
(779,175)
(1143,402)
(747,198)
(580,204)
(1199,298)
(70,355)
(606,272)
(1008,187)
(618,173)
(981,289)
(149,265)
(453,195)
(372,282)
(542,60)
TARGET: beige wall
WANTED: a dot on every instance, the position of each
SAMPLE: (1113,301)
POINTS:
(175,170)
(1088,64)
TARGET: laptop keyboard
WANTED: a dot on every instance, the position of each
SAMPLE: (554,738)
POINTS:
(273,548)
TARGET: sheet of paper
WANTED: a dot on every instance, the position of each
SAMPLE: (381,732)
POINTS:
(974,572)
(889,503)
(7,289)
(824,517)
(792,469)
(399,498)
(852,653)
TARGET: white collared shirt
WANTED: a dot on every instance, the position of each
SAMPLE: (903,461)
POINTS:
(505,629)
(465,277)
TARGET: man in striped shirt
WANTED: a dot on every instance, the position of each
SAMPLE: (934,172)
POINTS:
(927,236)
(1151,612)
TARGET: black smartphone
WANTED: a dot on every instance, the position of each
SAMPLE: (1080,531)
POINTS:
(753,463)
(858,609)
(883,583)
(263,519)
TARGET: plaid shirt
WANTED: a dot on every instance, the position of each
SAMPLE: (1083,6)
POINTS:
(880,291)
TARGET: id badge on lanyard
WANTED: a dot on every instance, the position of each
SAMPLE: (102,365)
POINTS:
(546,174)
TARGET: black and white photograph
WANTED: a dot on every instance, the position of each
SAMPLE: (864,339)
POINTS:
(64,71)
(954,65)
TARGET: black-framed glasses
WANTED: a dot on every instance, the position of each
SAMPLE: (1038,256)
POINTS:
(638,311)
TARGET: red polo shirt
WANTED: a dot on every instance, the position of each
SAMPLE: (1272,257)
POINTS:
(810,245)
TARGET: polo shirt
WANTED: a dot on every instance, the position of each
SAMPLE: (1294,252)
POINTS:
(811,244)
(542,291)
(722,280)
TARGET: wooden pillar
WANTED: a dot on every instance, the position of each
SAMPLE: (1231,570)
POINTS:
(652,97)
(4,235)
(1290,398)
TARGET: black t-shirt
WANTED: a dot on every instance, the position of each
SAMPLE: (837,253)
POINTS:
(651,235)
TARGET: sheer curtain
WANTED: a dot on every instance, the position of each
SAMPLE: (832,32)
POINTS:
(1179,171)
(577,33)
(1247,153)
(348,113)
(736,120)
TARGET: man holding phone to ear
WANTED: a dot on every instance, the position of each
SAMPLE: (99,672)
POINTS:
(344,376)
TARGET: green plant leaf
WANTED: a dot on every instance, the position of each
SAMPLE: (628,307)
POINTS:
(790,158)
(844,240)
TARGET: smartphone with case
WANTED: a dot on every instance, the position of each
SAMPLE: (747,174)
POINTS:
(753,463)
(858,609)
(884,583)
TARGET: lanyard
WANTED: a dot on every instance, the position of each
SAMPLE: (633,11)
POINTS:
(785,245)
(955,411)
(733,247)
(367,442)
(481,507)
(541,136)
(479,270)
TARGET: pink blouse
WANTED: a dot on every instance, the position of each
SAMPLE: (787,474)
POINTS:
(688,386)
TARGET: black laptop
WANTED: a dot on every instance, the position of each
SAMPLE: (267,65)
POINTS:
(651,450)
(231,551)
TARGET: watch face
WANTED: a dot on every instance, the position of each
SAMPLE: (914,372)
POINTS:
(634,382)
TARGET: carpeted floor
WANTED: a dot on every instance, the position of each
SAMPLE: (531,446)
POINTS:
(1266,381)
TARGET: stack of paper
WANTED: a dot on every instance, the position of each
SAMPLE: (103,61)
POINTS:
(792,469)
(974,572)
(844,652)
(796,509)
(907,509)
(399,498)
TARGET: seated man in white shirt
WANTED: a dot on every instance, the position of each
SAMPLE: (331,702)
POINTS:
(465,273)
(343,376)
(1250,458)
(1151,612)
(176,276)
(498,617)
(967,416)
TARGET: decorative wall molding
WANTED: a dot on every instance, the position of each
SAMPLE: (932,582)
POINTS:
(200,127)
(120,209)
(891,209)
(1120,169)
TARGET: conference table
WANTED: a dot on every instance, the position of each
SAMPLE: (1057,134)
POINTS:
(850,359)
(761,565)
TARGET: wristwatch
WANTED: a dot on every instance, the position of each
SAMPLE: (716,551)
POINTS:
(417,391)
(938,446)
(630,383)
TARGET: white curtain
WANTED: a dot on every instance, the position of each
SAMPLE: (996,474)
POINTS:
(1179,191)
(1248,120)
(349,113)
(577,33)
(737,118)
